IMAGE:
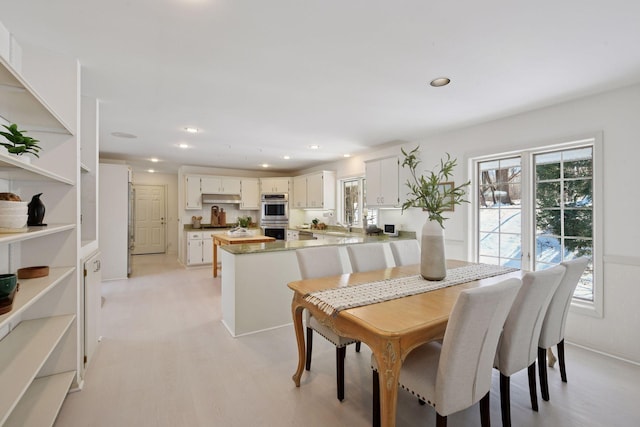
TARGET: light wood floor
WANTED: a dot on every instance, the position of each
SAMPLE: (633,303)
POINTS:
(166,360)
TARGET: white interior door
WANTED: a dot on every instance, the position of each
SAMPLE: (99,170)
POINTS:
(150,214)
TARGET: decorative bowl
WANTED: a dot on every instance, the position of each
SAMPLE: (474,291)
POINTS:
(13,221)
(8,284)
(13,208)
(33,272)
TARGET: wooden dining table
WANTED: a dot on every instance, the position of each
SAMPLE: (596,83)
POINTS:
(391,328)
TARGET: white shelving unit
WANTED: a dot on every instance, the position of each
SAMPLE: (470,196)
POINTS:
(40,343)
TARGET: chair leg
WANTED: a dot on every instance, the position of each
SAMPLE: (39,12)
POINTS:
(531,371)
(340,354)
(376,400)
(485,411)
(441,421)
(309,346)
(505,400)
(563,370)
(358,346)
(542,373)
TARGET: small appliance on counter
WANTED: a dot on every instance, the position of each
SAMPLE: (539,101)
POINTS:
(391,230)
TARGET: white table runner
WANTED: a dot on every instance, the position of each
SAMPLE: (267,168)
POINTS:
(331,301)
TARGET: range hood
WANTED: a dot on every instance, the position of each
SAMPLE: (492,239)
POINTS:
(221,198)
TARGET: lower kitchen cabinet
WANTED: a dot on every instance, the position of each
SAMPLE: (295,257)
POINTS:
(199,247)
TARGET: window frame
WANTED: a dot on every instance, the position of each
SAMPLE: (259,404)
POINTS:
(361,199)
(590,308)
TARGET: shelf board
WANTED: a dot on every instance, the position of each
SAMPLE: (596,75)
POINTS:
(33,232)
(23,353)
(84,168)
(31,290)
(13,169)
(19,103)
(42,401)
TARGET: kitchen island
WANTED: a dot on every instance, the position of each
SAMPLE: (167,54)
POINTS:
(255,296)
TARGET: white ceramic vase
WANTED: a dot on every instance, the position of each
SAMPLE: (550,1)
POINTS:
(433,264)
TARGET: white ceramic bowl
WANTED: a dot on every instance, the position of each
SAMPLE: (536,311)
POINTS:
(13,208)
(13,221)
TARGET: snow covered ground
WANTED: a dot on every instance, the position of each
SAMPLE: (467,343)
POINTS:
(500,242)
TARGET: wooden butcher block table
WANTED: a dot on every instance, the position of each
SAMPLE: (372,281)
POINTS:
(225,239)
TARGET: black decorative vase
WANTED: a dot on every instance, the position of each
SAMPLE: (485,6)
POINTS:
(35,211)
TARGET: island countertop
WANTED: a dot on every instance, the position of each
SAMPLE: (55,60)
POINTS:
(334,240)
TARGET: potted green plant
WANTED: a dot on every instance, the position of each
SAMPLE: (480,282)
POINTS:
(435,193)
(19,143)
(244,221)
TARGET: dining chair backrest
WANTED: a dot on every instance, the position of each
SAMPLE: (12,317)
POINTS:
(405,252)
(469,345)
(552,331)
(319,261)
(367,257)
(518,346)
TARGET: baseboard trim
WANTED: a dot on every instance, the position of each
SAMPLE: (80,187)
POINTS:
(253,332)
(613,356)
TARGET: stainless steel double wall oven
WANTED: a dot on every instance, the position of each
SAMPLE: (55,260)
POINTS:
(274,215)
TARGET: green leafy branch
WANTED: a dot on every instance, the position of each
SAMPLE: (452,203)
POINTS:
(19,143)
(429,193)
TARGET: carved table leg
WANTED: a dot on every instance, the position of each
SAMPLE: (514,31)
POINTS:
(389,363)
(296,311)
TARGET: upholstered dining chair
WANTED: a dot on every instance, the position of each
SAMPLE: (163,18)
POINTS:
(517,348)
(405,252)
(316,262)
(456,373)
(552,332)
(367,257)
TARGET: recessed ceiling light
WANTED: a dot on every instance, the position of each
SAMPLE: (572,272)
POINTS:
(150,170)
(286,157)
(124,135)
(191,130)
(440,81)
(154,160)
(346,155)
(314,147)
(183,145)
(264,165)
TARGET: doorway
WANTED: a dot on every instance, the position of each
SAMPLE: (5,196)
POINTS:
(149,219)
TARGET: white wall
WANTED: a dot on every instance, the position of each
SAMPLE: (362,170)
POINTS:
(171,183)
(615,113)
(114,203)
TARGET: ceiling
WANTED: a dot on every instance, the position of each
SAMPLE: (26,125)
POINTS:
(264,79)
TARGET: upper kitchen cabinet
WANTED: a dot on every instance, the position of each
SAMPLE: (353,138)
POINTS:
(219,185)
(382,181)
(315,191)
(274,185)
(193,193)
(250,194)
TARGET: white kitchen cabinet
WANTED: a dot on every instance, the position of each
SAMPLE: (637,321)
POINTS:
(195,248)
(207,248)
(219,185)
(41,344)
(299,200)
(193,193)
(315,191)
(92,304)
(274,185)
(382,181)
(293,235)
(250,194)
